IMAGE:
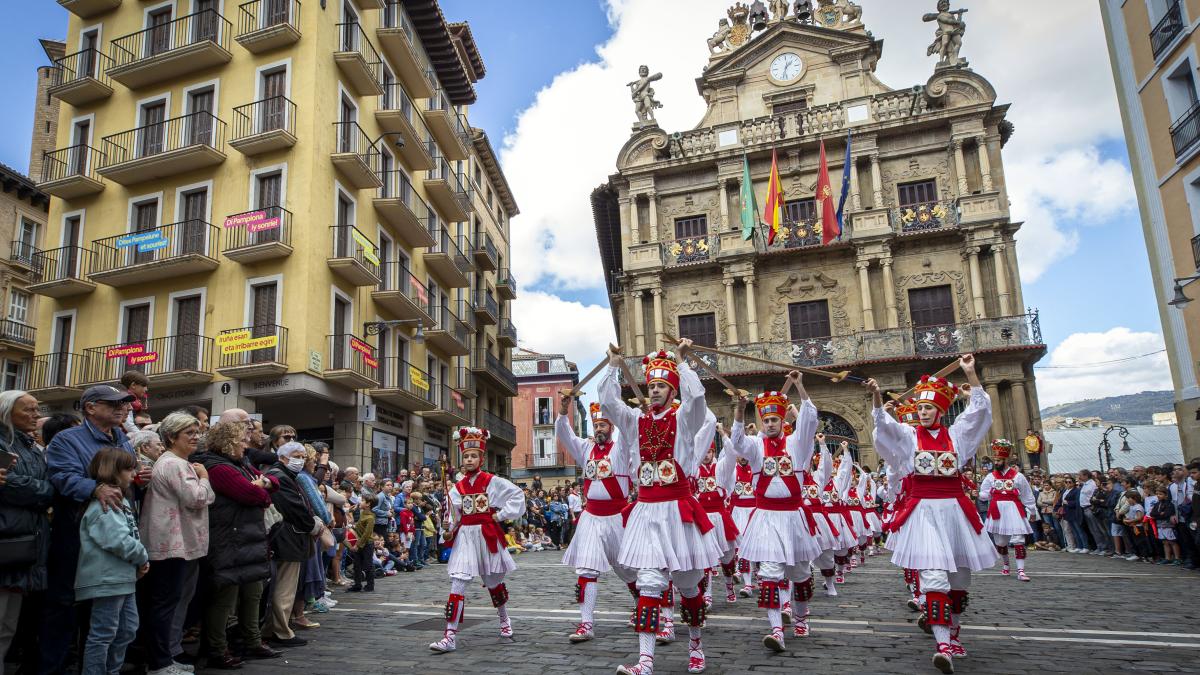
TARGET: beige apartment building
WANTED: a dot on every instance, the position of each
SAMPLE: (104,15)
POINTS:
(281,207)
(1153,48)
(926,268)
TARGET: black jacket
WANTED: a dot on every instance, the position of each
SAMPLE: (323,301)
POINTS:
(238,551)
(291,540)
(24,499)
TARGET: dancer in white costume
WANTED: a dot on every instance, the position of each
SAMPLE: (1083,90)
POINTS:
(608,470)
(741,505)
(1010,506)
(837,471)
(714,486)
(780,536)
(827,533)
(478,504)
(667,535)
(938,531)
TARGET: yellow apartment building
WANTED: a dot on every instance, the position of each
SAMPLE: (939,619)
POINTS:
(279,206)
(1153,48)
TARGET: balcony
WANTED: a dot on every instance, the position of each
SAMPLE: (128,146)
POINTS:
(58,377)
(404,386)
(264,25)
(411,219)
(447,190)
(401,294)
(81,78)
(691,251)
(254,236)
(398,39)
(355,156)
(62,272)
(354,256)
(264,126)
(165,252)
(792,236)
(446,260)
(548,460)
(358,60)
(86,9)
(21,255)
(17,336)
(448,127)
(448,334)
(492,369)
(917,218)
(1166,30)
(167,361)
(506,336)
(462,380)
(70,173)
(163,149)
(487,311)
(501,429)
(506,285)
(351,362)
(1186,131)
(252,351)
(450,408)
(171,51)
(397,114)
(484,252)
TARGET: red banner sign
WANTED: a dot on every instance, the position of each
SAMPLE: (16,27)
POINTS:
(360,346)
(124,351)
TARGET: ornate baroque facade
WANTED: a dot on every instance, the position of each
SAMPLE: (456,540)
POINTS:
(926,267)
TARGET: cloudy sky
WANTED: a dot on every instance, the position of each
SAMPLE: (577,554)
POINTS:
(554,100)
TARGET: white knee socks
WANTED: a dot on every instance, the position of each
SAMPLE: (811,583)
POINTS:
(588,606)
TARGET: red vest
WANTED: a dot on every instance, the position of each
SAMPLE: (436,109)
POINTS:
(477,510)
(1004,489)
(712,498)
(659,476)
(600,468)
(743,488)
(777,462)
(936,476)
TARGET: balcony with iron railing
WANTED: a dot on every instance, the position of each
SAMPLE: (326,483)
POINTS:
(15,335)
(355,156)
(1166,30)
(358,60)
(21,255)
(81,78)
(404,386)
(486,365)
(691,251)
(350,362)
(536,460)
(1185,131)
(173,360)
(930,216)
(71,172)
(264,126)
(261,234)
(58,376)
(86,9)
(171,51)
(410,217)
(485,307)
(448,126)
(397,114)
(484,252)
(252,351)
(506,284)
(400,293)
(792,235)
(354,256)
(264,25)
(447,190)
(62,272)
(164,252)
(399,40)
(506,335)
(450,407)
(163,149)
(500,429)
(448,334)
(462,380)
(448,262)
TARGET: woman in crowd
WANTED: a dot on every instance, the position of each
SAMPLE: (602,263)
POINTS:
(24,498)
(311,595)
(237,552)
(148,445)
(1073,514)
(337,505)
(1046,499)
(291,540)
(174,524)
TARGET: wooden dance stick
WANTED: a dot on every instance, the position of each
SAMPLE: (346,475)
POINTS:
(574,391)
(835,377)
(941,373)
(642,402)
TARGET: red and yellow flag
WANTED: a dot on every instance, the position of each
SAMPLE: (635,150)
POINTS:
(773,213)
(826,210)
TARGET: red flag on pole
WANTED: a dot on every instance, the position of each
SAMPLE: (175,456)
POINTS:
(826,209)
(773,212)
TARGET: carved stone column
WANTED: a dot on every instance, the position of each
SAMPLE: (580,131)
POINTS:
(960,168)
(985,164)
(864,286)
(889,294)
(627,228)
(724,197)
(658,317)
(730,314)
(855,199)
(635,233)
(972,256)
(751,310)
(877,181)
(1020,404)
(653,196)
(1001,263)
(639,323)
(993,392)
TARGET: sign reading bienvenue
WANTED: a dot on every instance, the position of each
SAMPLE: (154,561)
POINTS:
(254,221)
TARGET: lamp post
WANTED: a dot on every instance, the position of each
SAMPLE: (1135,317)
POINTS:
(377,327)
(1181,299)
(1104,451)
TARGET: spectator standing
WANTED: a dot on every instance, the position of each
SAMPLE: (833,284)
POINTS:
(291,541)
(537,483)
(138,386)
(1087,488)
(416,550)
(1033,447)
(1073,514)
(382,509)
(1181,490)
(364,529)
(311,595)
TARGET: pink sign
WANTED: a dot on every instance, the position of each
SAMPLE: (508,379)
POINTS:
(147,357)
(360,346)
(125,351)
(254,221)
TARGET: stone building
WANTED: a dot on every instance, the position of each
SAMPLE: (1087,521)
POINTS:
(539,379)
(925,270)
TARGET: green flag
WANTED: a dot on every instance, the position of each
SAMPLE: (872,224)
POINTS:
(749,205)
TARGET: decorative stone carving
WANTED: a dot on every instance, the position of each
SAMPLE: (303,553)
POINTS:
(810,286)
(779,10)
(954,279)
(915,171)
(947,41)
(643,95)
(739,32)
(837,14)
(719,42)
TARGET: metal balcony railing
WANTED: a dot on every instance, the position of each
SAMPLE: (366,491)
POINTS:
(264,343)
(548,459)
(1186,130)
(58,369)
(62,264)
(507,329)
(22,253)
(276,113)
(1167,28)
(352,38)
(448,244)
(260,226)
(75,160)
(483,241)
(82,65)
(396,373)
(15,331)
(485,360)
(924,217)
(439,102)
(155,245)
(154,356)
(442,170)
(193,129)
(792,235)
(396,276)
(350,242)
(487,301)
(691,250)
(259,15)
(505,278)
(205,25)
(446,320)
(498,427)
(397,186)
(350,352)
(450,401)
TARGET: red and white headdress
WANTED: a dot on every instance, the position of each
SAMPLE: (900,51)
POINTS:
(473,439)
(936,391)
(596,415)
(1001,449)
(661,366)
(771,403)
(906,411)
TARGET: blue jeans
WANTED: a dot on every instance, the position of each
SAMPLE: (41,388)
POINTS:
(114,625)
(417,551)
(1081,538)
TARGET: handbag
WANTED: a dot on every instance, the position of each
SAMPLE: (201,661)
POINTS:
(326,539)
(19,551)
(272,517)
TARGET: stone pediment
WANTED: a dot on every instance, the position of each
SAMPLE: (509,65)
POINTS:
(813,40)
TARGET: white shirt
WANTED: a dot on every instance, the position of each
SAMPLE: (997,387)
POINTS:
(580,450)
(689,418)
(799,447)
(502,495)
(1181,492)
(574,503)
(896,442)
(1085,494)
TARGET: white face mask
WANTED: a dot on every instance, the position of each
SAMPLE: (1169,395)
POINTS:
(295,464)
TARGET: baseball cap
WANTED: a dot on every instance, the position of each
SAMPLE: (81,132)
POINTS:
(104,392)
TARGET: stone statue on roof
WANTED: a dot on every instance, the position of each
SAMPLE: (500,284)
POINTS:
(947,41)
(779,10)
(643,94)
(719,42)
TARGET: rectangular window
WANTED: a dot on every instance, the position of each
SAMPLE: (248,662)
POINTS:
(933,306)
(542,416)
(692,226)
(809,320)
(18,306)
(700,328)
(14,375)
(918,192)
(137,323)
(801,210)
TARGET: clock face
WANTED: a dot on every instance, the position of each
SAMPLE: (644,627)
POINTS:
(786,67)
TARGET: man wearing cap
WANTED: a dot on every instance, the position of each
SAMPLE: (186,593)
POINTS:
(1010,506)
(938,531)
(104,409)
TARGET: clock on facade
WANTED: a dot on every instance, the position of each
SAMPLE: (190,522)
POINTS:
(786,67)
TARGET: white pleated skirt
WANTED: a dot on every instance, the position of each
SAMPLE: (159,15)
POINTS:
(780,537)
(741,518)
(846,537)
(657,538)
(825,536)
(875,523)
(938,536)
(596,543)
(1009,522)
(718,533)
(471,556)
(860,524)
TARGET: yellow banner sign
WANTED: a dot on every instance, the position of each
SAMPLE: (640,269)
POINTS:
(417,377)
(367,245)
(249,344)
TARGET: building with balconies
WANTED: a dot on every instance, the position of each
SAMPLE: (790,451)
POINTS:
(269,205)
(540,378)
(1153,50)
(925,268)
(22,225)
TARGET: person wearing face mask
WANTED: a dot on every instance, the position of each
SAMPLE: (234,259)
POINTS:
(291,542)
(1010,506)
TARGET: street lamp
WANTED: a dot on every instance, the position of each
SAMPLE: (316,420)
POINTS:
(1104,451)
(399,142)
(377,327)
(1181,299)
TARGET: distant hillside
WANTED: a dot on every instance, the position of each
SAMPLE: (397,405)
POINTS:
(1131,409)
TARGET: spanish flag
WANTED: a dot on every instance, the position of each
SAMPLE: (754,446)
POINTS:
(773,213)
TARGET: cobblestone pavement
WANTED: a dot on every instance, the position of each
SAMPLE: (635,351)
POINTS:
(1010,627)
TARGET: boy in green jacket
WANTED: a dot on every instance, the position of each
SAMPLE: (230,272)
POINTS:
(364,566)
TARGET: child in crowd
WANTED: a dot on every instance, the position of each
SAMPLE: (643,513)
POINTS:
(138,386)
(364,566)
(544,539)
(384,565)
(406,525)
(510,540)
(1135,521)
(1046,543)
(1162,513)
(111,560)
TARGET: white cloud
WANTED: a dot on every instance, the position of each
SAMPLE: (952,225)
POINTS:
(1065,385)
(549,324)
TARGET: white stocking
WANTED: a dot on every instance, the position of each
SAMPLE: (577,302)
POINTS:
(775,616)
(941,634)
(588,606)
(646,646)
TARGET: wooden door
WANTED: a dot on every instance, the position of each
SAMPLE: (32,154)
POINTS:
(145,217)
(158,39)
(193,231)
(342,236)
(187,333)
(205,24)
(264,320)
(68,261)
(153,134)
(200,118)
(88,58)
(60,364)
(932,306)
(341,314)
(274,106)
(270,198)
(79,149)
(137,331)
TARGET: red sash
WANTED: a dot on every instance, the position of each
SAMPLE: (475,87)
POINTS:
(714,502)
(690,510)
(611,484)
(492,533)
(1013,495)
(604,507)
(936,487)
